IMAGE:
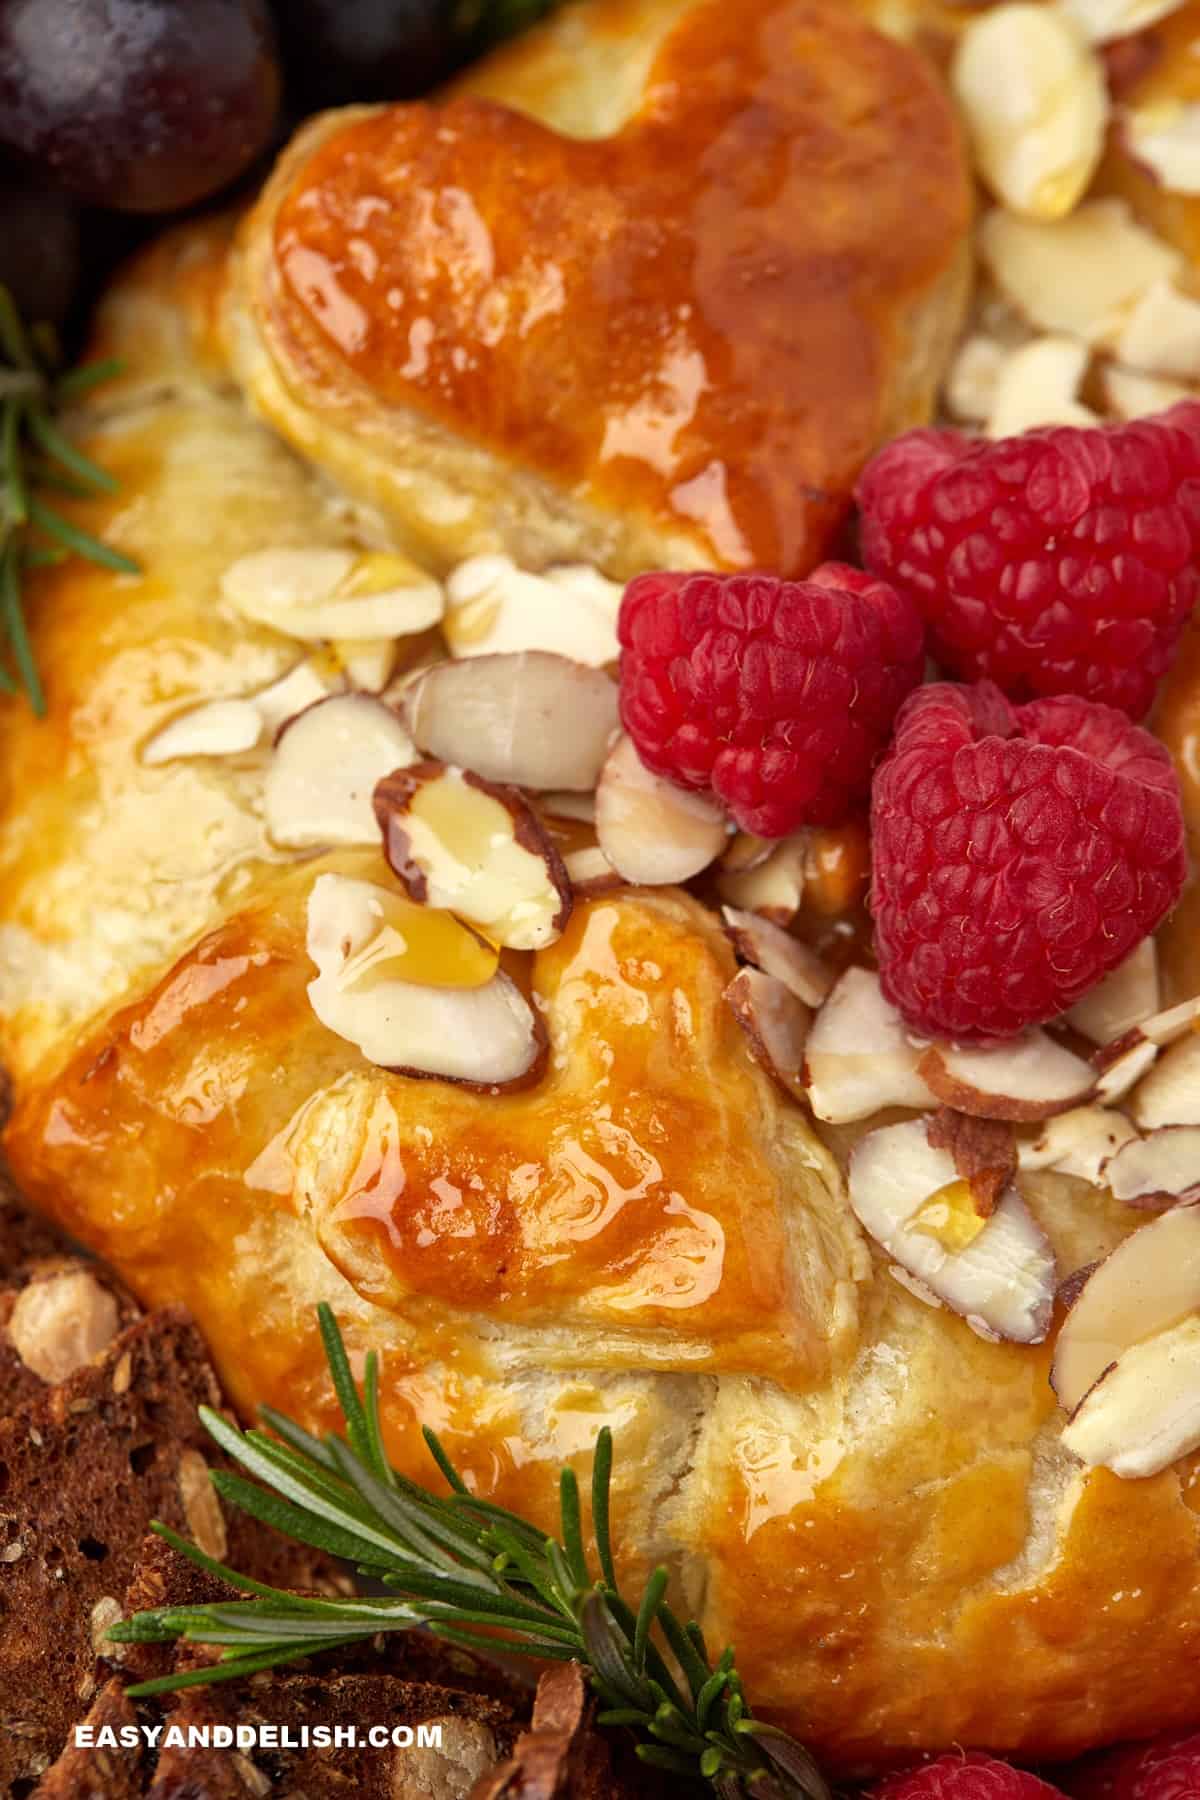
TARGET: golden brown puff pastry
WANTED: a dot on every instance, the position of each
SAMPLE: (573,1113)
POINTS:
(871,1501)
(647,288)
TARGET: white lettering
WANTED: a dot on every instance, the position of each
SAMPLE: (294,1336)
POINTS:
(344,1734)
(85,1737)
(246,1737)
(429,1737)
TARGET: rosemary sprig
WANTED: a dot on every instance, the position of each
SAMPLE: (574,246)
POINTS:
(465,1568)
(36,459)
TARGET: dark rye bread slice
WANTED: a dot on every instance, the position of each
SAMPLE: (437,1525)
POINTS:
(56,1312)
(83,1470)
(476,1732)
(100,1771)
(23,1235)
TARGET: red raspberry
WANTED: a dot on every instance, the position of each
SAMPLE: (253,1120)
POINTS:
(1063,561)
(965,1776)
(777,695)
(1018,854)
(1166,1770)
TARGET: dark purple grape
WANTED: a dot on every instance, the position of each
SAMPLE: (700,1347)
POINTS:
(341,50)
(39,245)
(142,105)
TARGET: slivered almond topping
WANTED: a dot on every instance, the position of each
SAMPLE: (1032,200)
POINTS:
(533,719)
(1166,140)
(970,387)
(1030,1078)
(1119,1002)
(1103,20)
(1128,394)
(1143,1413)
(772,886)
(316,678)
(651,831)
(984,1153)
(1038,385)
(770,948)
(859,1058)
(494,607)
(1150,1282)
(218,728)
(1081,276)
(744,852)
(1124,1062)
(367,662)
(579,807)
(1035,102)
(1159,1170)
(1170,1093)
(590,872)
(61,1321)
(325,769)
(999,1274)
(1162,334)
(775,1022)
(1078,1142)
(475,848)
(359,935)
(323,593)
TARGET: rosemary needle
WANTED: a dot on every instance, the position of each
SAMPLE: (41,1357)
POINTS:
(463,1568)
(37,459)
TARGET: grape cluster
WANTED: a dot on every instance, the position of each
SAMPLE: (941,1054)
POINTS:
(146,107)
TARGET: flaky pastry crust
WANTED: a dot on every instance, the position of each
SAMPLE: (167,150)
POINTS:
(659,314)
(872,1502)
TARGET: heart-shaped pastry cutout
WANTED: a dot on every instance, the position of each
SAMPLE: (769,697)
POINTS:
(671,337)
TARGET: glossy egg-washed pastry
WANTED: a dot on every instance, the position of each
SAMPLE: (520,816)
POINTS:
(677,344)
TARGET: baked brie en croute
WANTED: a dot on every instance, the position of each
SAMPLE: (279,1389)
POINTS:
(516,333)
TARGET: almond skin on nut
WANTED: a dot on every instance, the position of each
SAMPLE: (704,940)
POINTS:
(61,1321)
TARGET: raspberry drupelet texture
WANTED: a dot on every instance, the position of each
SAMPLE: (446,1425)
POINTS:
(1063,561)
(1018,855)
(778,696)
(965,1776)
(1166,1770)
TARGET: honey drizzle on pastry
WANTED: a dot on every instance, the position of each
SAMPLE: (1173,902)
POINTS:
(470,262)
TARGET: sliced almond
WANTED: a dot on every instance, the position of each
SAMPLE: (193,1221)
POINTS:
(770,948)
(1160,1169)
(486,1037)
(744,852)
(475,848)
(905,1193)
(494,607)
(1103,20)
(1128,394)
(532,719)
(1170,1093)
(1122,999)
(1078,1142)
(307,682)
(651,831)
(1143,1414)
(368,662)
(323,593)
(1162,334)
(325,769)
(1127,1059)
(1037,385)
(590,872)
(1147,1284)
(1165,138)
(219,728)
(859,1059)
(970,387)
(772,886)
(775,1022)
(1030,1078)
(580,807)
(1035,102)
(1080,276)
(984,1153)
